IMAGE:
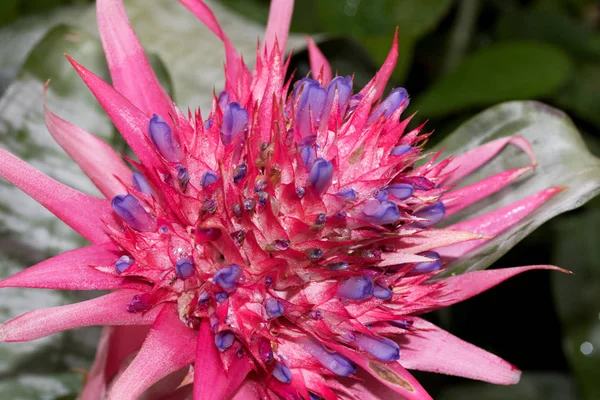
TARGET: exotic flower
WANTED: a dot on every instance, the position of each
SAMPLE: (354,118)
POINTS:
(270,248)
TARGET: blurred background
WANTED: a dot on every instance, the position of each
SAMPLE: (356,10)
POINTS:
(457,57)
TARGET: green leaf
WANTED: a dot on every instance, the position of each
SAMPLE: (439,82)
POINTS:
(533,386)
(563,160)
(504,71)
(577,297)
(549,27)
(414,18)
(582,95)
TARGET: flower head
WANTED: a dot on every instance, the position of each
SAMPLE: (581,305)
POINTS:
(284,240)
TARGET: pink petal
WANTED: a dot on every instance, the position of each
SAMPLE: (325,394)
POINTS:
(495,222)
(391,374)
(429,348)
(318,62)
(429,239)
(459,199)
(110,309)
(401,258)
(97,159)
(72,271)
(234,65)
(385,72)
(169,346)
(125,340)
(278,25)
(247,391)
(95,384)
(461,287)
(211,382)
(130,70)
(81,212)
(129,120)
(470,161)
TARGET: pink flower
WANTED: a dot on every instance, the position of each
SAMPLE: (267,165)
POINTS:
(277,246)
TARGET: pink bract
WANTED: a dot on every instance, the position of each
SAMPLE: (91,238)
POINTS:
(282,243)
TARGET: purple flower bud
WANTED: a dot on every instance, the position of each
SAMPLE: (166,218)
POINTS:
(381,212)
(356,288)
(335,362)
(381,292)
(203,298)
(239,173)
(162,138)
(282,373)
(354,101)
(315,254)
(123,263)
(262,198)
(401,191)
(348,194)
(238,237)
(382,195)
(425,267)
(249,204)
(433,214)
(390,104)
(138,304)
(235,119)
(308,141)
(209,206)
(141,183)
(281,244)
(321,219)
(184,268)
(224,340)
(309,107)
(300,192)
(266,351)
(132,212)
(208,178)
(223,99)
(260,185)
(236,209)
(183,176)
(207,124)
(320,175)
(228,277)
(268,281)
(383,349)
(308,156)
(339,266)
(402,323)
(314,396)
(299,85)
(221,297)
(400,150)
(343,87)
(274,308)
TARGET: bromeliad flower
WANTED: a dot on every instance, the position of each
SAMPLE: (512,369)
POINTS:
(281,247)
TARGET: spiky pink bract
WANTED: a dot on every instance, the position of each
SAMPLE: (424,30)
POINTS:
(275,247)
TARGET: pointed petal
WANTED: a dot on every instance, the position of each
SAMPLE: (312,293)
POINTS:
(495,222)
(96,383)
(72,271)
(81,212)
(247,391)
(170,346)
(130,70)
(318,62)
(429,348)
(385,72)
(461,287)
(95,158)
(234,66)
(110,309)
(129,120)
(459,199)
(278,25)
(211,382)
(470,161)
(391,374)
